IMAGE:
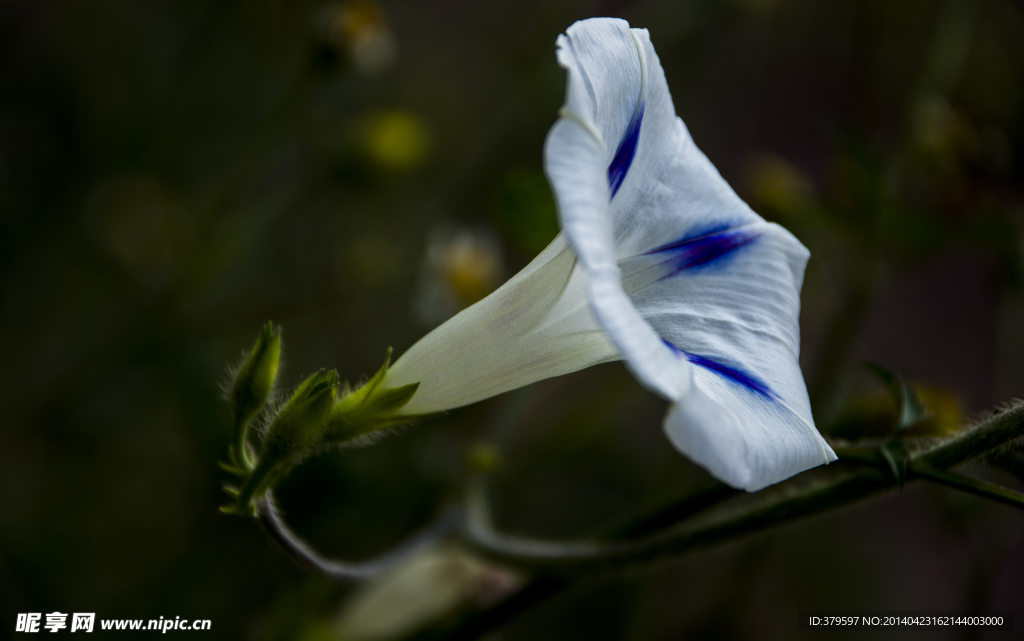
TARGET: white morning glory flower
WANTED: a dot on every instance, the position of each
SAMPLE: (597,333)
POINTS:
(660,264)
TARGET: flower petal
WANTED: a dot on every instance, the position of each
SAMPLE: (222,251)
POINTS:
(627,177)
(535,326)
(749,444)
(616,93)
(698,293)
(646,356)
(746,417)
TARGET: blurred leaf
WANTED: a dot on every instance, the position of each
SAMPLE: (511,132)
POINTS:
(895,454)
(910,407)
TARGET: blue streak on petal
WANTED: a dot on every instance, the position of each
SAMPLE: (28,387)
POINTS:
(734,374)
(699,231)
(709,249)
(627,150)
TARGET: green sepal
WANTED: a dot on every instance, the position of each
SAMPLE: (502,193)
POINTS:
(360,396)
(895,454)
(236,510)
(251,388)
(232,469)
(370,408)
(343,429)
(375,413)
(389,401)
(909,406)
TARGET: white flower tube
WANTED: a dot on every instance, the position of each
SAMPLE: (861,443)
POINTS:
(535,326)
(659,264)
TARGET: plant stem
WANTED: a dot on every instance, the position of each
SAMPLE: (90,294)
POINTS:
(969,485)
(253,484)
(810,493)
(304,555)
(672,512)
(544,586)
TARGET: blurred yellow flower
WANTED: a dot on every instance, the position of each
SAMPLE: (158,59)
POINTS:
(461,267)
(360,30)
(397,140)
(471,267)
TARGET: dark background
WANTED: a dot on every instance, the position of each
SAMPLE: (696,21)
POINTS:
(174,174)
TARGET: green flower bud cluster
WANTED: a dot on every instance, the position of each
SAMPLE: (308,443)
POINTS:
(291,436)
(316,416)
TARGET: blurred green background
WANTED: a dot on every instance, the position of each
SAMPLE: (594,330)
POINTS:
(174,174)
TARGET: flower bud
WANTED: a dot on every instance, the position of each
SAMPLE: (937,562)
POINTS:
(252,385)
(293,434)
(300,421)
(436,582)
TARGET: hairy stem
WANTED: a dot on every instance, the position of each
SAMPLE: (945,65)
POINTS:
(969,485)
